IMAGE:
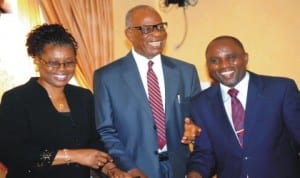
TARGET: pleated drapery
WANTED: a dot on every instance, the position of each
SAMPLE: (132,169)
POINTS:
(91,23)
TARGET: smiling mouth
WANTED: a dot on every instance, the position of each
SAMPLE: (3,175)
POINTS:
(60,77)
(155,44)
(227,74)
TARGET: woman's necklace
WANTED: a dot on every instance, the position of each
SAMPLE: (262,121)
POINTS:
(59,103)
(56,96)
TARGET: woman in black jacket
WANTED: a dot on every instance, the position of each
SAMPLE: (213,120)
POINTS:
(47,126)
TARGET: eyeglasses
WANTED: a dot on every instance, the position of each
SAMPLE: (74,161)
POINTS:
(56,65)
(145,29)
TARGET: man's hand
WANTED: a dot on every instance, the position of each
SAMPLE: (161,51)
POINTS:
(117,173)
(194,174)
(190,131)
(137,173)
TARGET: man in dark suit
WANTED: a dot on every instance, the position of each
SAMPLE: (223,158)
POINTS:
(268,142)
(123,112)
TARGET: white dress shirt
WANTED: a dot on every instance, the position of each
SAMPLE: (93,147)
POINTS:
(142,65)
(242,87)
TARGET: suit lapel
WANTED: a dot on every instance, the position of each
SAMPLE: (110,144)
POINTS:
(73,104)
(254,98)
(172,81)
(132,77)
(220,115)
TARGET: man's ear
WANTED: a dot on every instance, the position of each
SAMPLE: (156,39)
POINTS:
(246,58)
(129,34)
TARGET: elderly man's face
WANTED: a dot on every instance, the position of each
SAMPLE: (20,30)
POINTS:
(149,44)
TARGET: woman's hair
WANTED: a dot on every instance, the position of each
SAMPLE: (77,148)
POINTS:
(46,34)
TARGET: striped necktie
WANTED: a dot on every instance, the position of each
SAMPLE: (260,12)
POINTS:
(238,114)
(156,105)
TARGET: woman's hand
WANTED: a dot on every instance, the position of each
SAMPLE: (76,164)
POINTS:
(89,157)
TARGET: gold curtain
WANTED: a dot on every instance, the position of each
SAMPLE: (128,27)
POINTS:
(90,21)
(29,13)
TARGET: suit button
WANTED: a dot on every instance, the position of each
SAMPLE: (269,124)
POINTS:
(156,152)
(154,127)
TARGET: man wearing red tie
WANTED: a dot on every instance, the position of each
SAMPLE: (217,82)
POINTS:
(250,123)
(142,99)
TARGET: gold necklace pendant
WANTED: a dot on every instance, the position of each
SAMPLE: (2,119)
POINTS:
(61,106)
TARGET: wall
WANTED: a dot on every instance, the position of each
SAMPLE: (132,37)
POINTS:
(268,30)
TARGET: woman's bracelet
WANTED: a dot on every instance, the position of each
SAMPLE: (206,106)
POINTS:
(67,157)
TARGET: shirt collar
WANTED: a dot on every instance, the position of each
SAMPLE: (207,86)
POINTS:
(142,60)
(242,87)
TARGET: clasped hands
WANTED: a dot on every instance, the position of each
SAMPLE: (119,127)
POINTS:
(97,159)
(191,130)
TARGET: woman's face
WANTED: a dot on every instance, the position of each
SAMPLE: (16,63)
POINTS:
(56,65)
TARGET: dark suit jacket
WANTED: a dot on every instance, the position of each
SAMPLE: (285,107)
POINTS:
(125,120)
(272,132)
(31,131)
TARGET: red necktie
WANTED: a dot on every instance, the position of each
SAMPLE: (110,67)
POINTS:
(238,114)
(156,105)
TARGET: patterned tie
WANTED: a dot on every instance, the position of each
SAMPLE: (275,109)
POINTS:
(156,105)
(238,114)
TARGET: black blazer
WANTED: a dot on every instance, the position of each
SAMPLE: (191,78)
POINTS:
(32,130)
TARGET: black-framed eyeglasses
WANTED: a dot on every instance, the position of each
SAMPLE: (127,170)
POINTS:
(145,29)
(56,65)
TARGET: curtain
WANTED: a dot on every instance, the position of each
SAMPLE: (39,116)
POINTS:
(29,13)
(90,22)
